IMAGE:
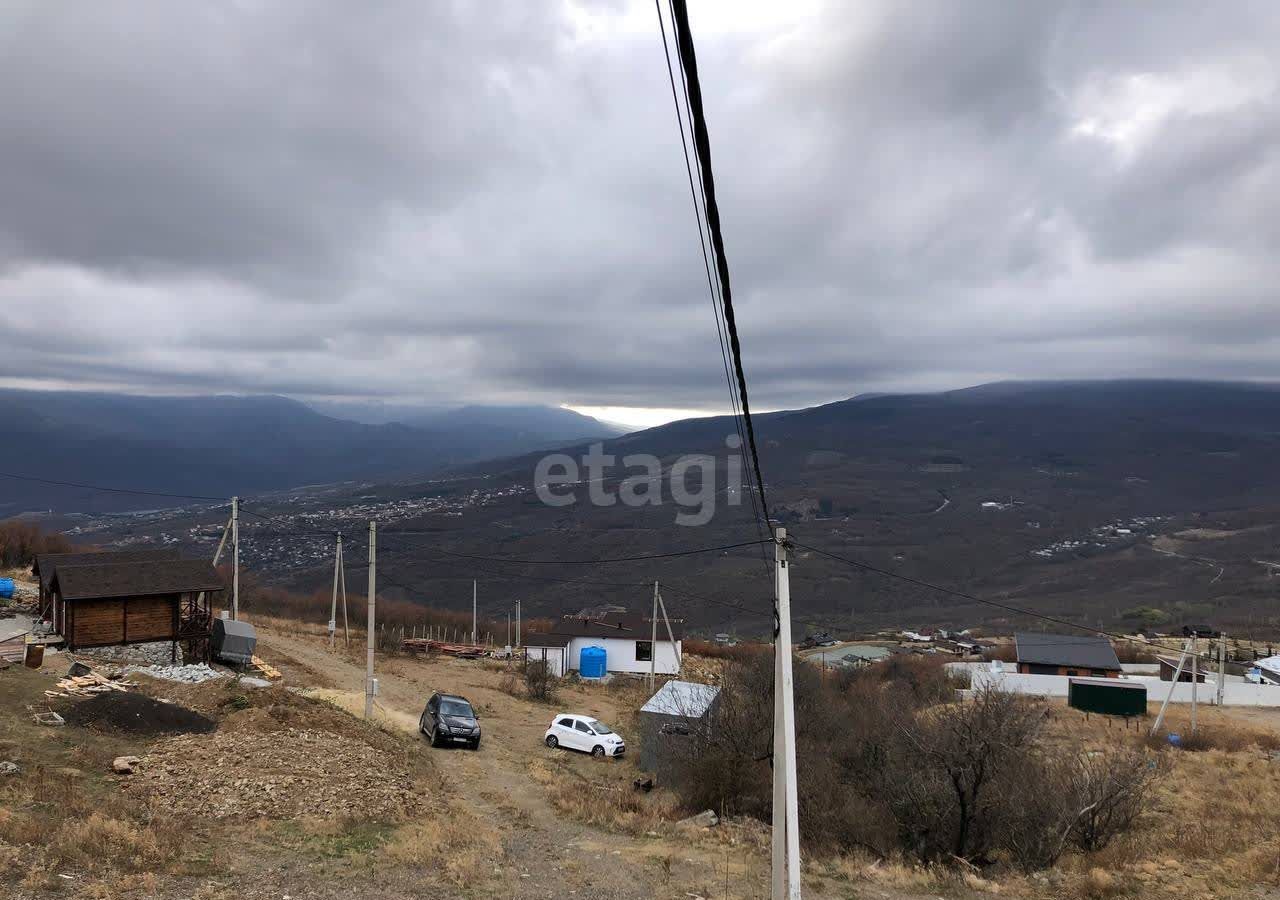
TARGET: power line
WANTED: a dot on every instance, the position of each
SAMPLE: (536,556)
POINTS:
(713,288)
(702,150)
(604,560)
(109,490)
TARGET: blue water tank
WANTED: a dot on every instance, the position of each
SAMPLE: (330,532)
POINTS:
(592,662)
(6,587)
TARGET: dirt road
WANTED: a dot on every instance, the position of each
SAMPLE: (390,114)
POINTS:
(548,854)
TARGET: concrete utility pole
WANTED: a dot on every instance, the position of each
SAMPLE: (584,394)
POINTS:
(333,606)
(1177,673)
(1195,677)
(517,624)
(235,552)
(475,628)
(662,607)
(1222,666)
(786,813)
(508,629)
(653,639)
(370,685)
(222,545)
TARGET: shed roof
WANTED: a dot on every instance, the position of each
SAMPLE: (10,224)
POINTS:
(135,579)
(1080,651)
(533,639)
(682,698)
(615,625)
(46,563)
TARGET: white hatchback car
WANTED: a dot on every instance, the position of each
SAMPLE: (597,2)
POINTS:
(578,732)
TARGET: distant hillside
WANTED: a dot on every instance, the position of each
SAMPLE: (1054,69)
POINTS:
(218,445)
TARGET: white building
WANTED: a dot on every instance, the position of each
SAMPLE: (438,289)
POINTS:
(625,638)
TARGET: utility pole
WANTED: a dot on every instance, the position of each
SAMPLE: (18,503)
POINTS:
(333,606)
(508,629)
(1222,667)
(370,685)
(786,814)
(517,624)
(222,545)
(475,633)
(1177,673)
(235,552)
(1195,677)
(666,620)
(653,639)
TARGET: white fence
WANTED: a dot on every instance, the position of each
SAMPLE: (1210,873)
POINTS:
(1233,693)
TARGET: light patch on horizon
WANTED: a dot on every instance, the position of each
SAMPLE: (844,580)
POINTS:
(639,417)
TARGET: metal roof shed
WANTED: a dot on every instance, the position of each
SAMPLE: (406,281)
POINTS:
(1109,696)
(670,721)
(233,641)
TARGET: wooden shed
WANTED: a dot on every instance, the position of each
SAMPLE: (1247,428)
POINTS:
(47,563)
(109,604)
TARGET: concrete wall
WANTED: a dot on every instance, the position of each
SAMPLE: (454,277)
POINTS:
(1234,693)
(621,655)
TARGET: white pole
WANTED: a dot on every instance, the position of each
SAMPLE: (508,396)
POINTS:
(786,815)
(517,624)
(475,632)
(368,669)
(217,554)
(653,639)
(675,648)
(342,581)
(508,628)
(1222,666)
(333,605)
(1195,677)
(235,549)
(1177,673)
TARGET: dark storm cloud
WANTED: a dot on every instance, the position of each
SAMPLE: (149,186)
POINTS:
(486,202)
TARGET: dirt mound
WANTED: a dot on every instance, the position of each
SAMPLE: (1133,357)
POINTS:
(129,713)
(279,774)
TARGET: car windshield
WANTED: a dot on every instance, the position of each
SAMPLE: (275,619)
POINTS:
(456,708)
(599,727)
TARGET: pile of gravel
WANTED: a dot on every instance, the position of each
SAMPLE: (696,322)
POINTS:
(195,673)
(277,774)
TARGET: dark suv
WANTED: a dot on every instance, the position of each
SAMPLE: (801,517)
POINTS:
(449,719)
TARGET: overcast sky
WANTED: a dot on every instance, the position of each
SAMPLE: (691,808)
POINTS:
(486,202)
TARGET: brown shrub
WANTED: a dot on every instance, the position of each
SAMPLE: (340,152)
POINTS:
(21,542)
(540,683)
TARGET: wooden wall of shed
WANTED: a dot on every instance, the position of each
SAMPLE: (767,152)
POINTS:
(99,623)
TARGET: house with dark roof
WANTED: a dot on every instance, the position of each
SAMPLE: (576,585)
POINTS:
(1066,654)
(627,639)
(47,563)
(110,603)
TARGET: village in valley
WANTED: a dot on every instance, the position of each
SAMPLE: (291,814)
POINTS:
(588,734)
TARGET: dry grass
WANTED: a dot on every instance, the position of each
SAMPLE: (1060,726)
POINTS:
(454,846)
(611,804)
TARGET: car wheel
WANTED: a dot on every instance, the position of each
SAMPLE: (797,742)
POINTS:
(475,745)
(552,742)
(597,751)
(435,740)
(422,724)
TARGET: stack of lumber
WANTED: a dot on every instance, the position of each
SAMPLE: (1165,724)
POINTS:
(84,685)
(267,670)
(425,645)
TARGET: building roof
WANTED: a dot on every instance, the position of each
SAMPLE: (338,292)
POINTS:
(627,625)
(534,639)
(1075,650)
(135,579)
(682,698)
(46,563)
